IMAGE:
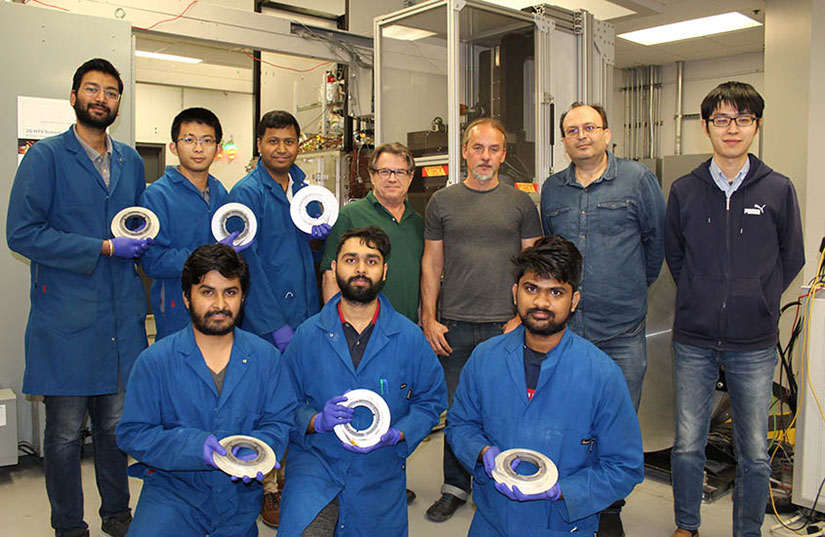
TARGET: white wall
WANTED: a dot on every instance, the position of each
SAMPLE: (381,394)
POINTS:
(699,78)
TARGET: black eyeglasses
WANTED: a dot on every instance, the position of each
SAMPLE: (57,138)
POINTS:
(384,173)
(724,121)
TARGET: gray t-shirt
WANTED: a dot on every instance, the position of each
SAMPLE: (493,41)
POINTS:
(482,231)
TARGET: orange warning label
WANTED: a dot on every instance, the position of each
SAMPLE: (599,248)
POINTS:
(527,187)
(434,171)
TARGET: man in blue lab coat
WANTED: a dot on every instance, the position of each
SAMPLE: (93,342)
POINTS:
(542,387)
(207,381)
(86,322)
(185,198)
(357,341)
(284,289)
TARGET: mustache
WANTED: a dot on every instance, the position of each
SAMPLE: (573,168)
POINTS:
(364,278)
(540,310)
(221,312)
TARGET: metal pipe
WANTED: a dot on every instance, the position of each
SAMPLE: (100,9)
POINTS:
(680,77)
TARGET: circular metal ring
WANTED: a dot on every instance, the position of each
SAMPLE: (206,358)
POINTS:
(229,210)
(264,460)
(542,480)
(380,419)
(151,224)
(305,196)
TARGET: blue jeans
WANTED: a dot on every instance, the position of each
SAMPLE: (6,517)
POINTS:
(462,338)
(629,351)
(62,442)
(749,376)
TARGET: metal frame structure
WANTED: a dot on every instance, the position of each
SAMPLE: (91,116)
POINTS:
(543,101)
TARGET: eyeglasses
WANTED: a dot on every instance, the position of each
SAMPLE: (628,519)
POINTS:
(384,173)
(92,90)
(587,129)
(190,141)
(724,121)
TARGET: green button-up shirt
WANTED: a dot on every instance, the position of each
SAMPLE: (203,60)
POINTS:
(407,247)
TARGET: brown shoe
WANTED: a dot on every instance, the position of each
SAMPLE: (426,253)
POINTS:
(271,509)
(685,533)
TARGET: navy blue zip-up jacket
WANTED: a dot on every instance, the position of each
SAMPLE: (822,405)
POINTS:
(732,261)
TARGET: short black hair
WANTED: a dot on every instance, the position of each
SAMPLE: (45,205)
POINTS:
(197,115)
(372,236)
(739,95)
(209,257)
(277,119)
(597,107)
(551,257)
(96,64)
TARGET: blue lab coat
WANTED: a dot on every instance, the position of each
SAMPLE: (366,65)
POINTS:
(283,288)
(580,416)
(86,322)
(185,223)
(371,488)
(172,405)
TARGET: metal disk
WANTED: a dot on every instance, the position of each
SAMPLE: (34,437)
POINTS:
(542,480)
(305,196)
(149,230)
(264,460)
(380,419)
(227,211)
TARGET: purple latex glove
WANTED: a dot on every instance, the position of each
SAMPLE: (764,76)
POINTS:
(282,336)
(489,460)
(210,447)
(390,438)
(128,248)
(229,240)
(333,414)
(320,232)
(517,496)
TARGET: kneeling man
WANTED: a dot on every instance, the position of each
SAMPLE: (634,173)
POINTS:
(208,381)
(544,388)
(357,341)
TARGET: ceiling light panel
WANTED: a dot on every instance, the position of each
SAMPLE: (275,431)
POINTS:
(678,31)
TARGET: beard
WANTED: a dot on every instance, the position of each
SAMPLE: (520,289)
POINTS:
(83,116)
(364,294)
(544,327)
(202,324)
(483,177)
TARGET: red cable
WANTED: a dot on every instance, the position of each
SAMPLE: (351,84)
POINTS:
(48,5)
(192,3)
(285,67)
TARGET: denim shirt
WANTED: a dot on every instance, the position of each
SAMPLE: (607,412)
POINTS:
(617,223)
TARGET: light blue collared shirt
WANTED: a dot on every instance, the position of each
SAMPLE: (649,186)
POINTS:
(728,187)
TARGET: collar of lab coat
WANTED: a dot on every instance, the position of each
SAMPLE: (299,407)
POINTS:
(296,173)
(73,146)
(387,325)
(514,345)
(239,361)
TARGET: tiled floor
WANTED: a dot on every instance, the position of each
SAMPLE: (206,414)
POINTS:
(24,508)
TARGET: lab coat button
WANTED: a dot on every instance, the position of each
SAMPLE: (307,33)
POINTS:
(244,360)
(113,339)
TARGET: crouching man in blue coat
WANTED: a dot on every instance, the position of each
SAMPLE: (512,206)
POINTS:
(357,341)
(544,388)
(208,381)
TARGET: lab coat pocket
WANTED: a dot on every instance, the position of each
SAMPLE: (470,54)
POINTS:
(577,452)
(66,302)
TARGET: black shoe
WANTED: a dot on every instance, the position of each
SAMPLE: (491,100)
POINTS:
(610,524)
(118,525)
(410,496)
(80,532)
(444,507)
